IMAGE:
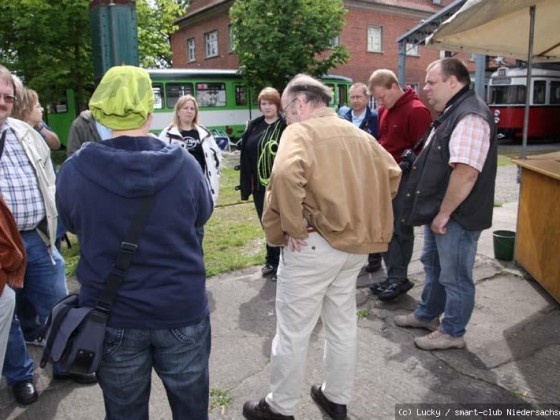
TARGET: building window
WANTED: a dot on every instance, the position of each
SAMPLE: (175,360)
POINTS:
(412,49)
(335,42)
(191,52)
(211,41)
(231,46)
(445,54)
(374,39)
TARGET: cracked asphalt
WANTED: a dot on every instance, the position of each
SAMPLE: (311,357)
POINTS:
(512,354)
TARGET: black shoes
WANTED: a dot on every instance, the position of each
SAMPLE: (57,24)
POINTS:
(374,263)
(260,410)
(81,378)
(25,392)
(268,270)
(394,289)
(378,287)
(335,411)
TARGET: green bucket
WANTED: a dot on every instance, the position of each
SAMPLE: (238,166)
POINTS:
(504,244)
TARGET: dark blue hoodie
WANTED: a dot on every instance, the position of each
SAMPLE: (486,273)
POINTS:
(99,190)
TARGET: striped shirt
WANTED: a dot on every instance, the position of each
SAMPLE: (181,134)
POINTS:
(18,184)
(469,143)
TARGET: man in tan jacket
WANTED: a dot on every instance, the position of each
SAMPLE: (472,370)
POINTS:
(329,205)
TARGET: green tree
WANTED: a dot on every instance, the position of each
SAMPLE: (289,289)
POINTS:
(48,43)
(277,39)
(155,26)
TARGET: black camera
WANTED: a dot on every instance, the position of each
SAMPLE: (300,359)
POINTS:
(407,160)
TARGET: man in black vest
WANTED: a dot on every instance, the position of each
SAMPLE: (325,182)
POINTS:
(451,191)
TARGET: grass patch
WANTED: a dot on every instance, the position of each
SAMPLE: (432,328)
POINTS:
(362,313)
(219,399)
(233,237)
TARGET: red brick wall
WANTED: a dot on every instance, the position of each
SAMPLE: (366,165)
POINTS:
(361,64)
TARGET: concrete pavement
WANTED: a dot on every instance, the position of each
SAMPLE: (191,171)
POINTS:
(512,354)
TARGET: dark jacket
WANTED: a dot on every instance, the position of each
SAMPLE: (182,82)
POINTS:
(248,182)
(99,190)
(369,123)
(12,250)
(429,176)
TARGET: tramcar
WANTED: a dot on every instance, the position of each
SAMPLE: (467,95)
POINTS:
(507,96)
(225,102)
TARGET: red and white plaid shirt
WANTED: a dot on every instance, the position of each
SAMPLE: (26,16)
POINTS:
(469,142)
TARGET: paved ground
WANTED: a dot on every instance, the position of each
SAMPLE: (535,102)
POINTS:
(512,354)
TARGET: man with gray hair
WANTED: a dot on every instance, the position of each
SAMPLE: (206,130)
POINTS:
(328,204)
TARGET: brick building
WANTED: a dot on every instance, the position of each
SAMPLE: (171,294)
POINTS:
(370,35)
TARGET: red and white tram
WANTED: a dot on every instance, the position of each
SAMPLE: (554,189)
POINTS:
(507,95)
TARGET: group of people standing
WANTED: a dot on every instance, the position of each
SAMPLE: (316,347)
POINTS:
(333,195)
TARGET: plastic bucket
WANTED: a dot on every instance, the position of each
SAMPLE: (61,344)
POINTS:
(504,243)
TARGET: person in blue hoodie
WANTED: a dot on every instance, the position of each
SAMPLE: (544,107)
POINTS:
(160,316)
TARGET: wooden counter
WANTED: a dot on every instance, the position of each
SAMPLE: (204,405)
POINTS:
(537,243)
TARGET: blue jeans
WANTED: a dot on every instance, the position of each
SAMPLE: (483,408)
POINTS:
(44,285)
(179,357)
(449,289)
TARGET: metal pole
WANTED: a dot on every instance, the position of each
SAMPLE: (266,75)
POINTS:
(402,63)
(479,75)
(114,42)
(529,85)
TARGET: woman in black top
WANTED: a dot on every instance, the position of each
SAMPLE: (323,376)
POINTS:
(258,146)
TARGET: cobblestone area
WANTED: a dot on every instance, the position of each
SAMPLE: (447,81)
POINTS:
(507,188)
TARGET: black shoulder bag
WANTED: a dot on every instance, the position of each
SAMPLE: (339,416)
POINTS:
(74,334)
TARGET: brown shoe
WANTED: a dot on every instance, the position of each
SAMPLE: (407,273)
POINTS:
(438,340)
(410,321)
(335,411)
(260,410)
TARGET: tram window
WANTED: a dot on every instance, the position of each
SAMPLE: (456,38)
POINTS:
(240,97)
(175,90)
(507,95)
(539,92)
(59,105)
(211,94)
(158,96)
(555,92)
(334,93)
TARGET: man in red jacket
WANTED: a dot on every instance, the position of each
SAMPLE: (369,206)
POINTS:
(403,120)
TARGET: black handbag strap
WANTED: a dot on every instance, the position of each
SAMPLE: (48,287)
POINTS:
(2,142)
(126,253)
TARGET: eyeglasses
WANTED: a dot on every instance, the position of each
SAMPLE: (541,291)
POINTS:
(9,99)
(290,104)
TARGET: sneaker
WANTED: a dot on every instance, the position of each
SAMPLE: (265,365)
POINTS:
(395,289)
(410,321)
(438,340)
(36,343)
(380,286)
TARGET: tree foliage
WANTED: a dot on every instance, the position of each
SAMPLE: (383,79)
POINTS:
(48,43)
(277,39)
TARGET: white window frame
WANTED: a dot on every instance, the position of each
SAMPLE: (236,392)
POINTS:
(374,38)
(191,50)
(231,46)
(211,44)
(412,50)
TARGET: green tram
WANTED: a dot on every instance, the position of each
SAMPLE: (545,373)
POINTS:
(224,101)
